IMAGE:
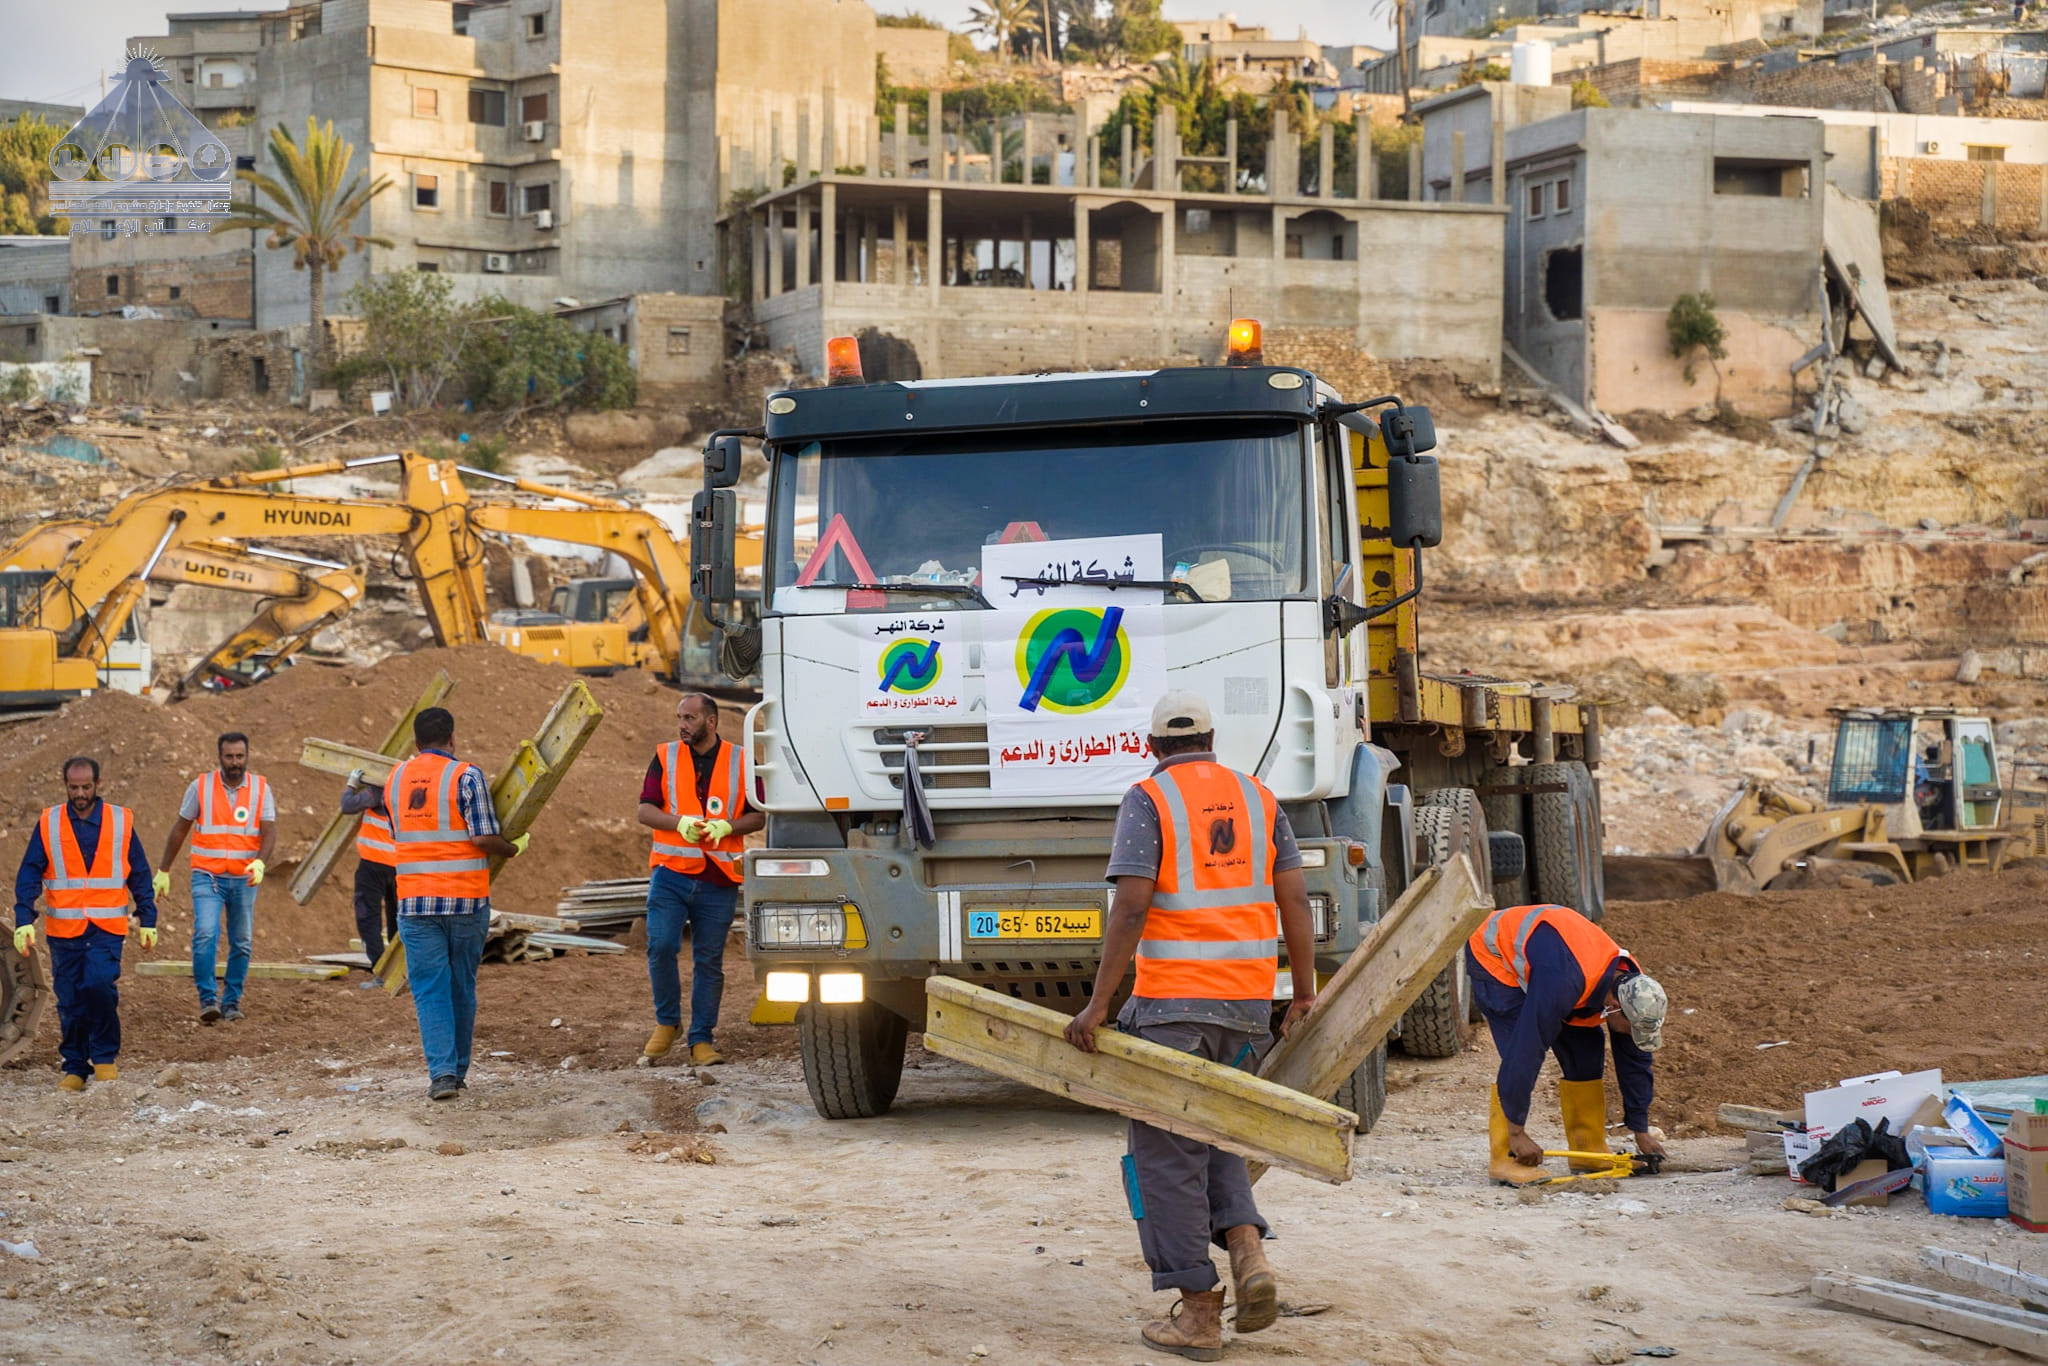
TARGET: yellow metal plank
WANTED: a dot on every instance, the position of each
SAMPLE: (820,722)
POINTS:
(182,967)
(331,756)
(1174,1091)
(340,832)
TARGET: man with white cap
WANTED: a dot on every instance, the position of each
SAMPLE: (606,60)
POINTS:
(1208,881)
(1547,979)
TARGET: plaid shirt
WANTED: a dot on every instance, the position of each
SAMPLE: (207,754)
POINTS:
(474,801)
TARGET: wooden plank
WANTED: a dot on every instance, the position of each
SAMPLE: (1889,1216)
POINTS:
(341,830)
(2006,1280)
(356,959)
(543,924)
(1965,1318)
(1175,1091)
(331,756)
(1753,1117)
(168,967)
(579,942)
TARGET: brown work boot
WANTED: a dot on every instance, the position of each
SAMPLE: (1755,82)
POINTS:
(1194,1329)
(704,1055)
(1258,1293)
(71,1082)
(105,1071)
(660,1041)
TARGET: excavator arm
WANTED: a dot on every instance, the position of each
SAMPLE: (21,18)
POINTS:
(322,594)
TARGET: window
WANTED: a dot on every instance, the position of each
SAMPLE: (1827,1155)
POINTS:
(679,341)
(53,303)
(487,107)
(1536,200)
(1564,284)
(170,223)
(533,108)
(113,285)
(534,198)
(1561,196)
(106,230)
(427,267)
(501,198)
(214,80)
(426,191)
(1760,179)
(426,102)
(28,336)
(536,25)
(177,291)
(1977,151)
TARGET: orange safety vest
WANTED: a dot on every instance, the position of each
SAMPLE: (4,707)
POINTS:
(1500,945)
(1213,929)
(373,839)
(724,802)
(229,833)
(436,856)
(73,896)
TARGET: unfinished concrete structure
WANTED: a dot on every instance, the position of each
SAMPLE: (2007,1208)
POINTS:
(676,341)
(1615,213)
(35,275)
(1464,135)
(1250,56)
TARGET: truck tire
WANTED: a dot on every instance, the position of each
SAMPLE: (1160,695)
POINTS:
(1437,1025)
(853,1057)
(24,996)
(1364,1092)
(1566,826)
(1507,813)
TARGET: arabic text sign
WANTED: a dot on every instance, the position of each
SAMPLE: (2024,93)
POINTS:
(911,665)
(1027,573)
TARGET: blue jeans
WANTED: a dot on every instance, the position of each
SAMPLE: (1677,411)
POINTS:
(85,971)
(441,957)
(677,902)
(216,896)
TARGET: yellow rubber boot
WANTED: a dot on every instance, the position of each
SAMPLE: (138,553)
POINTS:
(660,1041)
(1502,1167)
(1584,1104)
(71,1081)
(105,1071)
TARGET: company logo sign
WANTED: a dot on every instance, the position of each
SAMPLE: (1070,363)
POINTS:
(1073,660)
(140,162)
(909,666)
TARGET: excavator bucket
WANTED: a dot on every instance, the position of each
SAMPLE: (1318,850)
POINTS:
(24,996)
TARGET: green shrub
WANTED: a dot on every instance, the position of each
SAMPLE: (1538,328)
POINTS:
(1692,327)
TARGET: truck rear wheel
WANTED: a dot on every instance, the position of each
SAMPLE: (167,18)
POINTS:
(1364,1092)
(24,996)
(1566,826)
(1437,1025)
(853,1057)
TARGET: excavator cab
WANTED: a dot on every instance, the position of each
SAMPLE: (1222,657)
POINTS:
(591,599)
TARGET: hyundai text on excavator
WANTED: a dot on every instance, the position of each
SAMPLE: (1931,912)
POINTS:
(973,591)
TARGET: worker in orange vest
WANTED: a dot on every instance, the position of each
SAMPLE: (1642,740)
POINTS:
(235,816)
(694,800)
(1547,979)
(1208,880)
(85,860)
(446,832)
(376,887)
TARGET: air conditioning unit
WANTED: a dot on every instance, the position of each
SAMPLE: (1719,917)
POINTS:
(497,262)
(1933,148)
(537,131)
(543,218)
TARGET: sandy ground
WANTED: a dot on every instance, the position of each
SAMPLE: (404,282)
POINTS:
(280,1191)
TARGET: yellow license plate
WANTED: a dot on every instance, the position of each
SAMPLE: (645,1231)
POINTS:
(1056,923)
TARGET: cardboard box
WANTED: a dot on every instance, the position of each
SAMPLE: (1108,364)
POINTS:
(2026,1172)
(1883,1095)
(1798,1147)
(1868,1169)
(1961,1183)
(1964,1119)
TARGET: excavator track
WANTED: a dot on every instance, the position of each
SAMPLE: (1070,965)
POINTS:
(24,996)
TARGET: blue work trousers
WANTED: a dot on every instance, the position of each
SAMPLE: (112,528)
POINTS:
(441,957)
(85,970)
(677,902)
(217,900)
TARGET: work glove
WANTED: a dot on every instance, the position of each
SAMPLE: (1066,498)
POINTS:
(691,829)
(714,831)
(521,843)
(161,883)
(25,940)
(256,871)
(146,936)
(355,778)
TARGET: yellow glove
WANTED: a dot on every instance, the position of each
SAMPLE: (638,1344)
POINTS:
(161,882)
(25,940)
(714,831)
(256,871)
(691,829)
(146,936)
(521,843)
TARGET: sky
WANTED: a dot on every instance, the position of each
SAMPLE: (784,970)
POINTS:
(55,49)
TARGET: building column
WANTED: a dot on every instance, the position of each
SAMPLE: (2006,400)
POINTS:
(1126,174)
(1083,263)
(1363,163)
(870,264)
(1415,186)
(828,241)
(1025,144)
(803,138)
(1326,163)
(935,137)
(803,240)
(1279,234)
(935,252)
(901,170)
(758,230)
(902,264)
(828,136)
(1457,188)
(1230,155)
(775,250)
(1095,161)
(1497,155)
(1027,249)
(1167,276)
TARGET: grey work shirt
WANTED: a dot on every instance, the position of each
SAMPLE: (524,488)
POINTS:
(1135,851)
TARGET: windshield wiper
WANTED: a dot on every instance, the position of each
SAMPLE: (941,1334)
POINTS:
(1168,585)
(963,592)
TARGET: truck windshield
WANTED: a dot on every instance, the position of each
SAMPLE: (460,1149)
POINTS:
(1226,499)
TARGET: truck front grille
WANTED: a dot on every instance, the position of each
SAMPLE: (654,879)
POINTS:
(949,757)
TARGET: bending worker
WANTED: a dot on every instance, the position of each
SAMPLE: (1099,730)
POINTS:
(85,860)
(1204,864)
(235,818)
(1546,979)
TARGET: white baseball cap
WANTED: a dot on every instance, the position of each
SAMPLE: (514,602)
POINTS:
(1181,713)
(1644,1005)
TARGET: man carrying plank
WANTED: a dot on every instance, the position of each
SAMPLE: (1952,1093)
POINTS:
(1208,879)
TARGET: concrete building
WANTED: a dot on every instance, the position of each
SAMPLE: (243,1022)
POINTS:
(35,274)
(677,342)
(1464,134)
(964,278)
(1859,141)
(1250,55)
(1614,213)
(914,56)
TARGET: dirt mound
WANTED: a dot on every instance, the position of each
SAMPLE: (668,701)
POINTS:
(1945,974)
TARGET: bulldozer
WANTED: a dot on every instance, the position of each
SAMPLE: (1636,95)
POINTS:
(1913,792)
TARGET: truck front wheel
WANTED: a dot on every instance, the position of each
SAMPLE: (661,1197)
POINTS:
(1450,822)
(1566,826)
(853,1057)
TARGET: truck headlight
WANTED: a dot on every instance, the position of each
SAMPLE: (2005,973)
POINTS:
(809,927)
(1319,915)
(840,988)
(1315,858)
(790,988)
(790,867)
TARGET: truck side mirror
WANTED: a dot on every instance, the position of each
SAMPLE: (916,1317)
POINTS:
(1415,505)
(1409,431)
(722,462)
(714,519)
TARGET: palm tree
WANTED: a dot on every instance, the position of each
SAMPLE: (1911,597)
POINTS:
(315,207)
(1002,20)
(1174,81)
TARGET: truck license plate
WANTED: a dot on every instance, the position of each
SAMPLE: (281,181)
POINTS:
(1058,923)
